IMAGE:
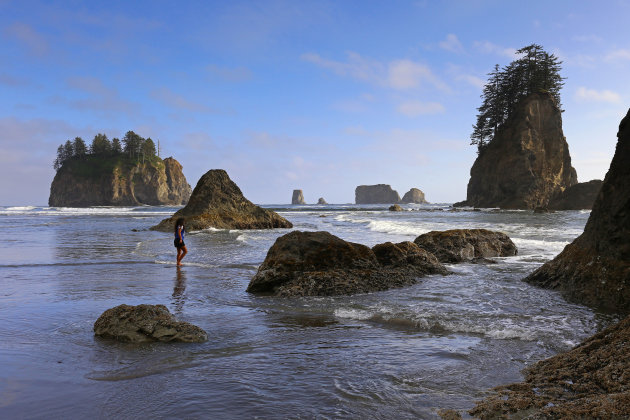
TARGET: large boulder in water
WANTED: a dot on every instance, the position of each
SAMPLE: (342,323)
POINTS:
(414,196)
(376,194)
(595,268)
(145,323)
(218,202)
(577,197)
(527,163)
(591,381)
(457,245)
(321,264)
(298,197)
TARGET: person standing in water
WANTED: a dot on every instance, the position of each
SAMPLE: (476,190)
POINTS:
(180,230)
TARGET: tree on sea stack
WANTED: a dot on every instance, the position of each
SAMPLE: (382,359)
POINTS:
(535,71)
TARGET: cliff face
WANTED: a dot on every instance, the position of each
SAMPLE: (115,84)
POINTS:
(415,196)
(595,268)
(298,197)
(577,197)
(527,162)
(375,194)
(218,202)
(118,181)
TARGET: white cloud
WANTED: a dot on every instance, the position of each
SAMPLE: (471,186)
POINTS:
(451,43)
(472,80)
(416,108)
(591,95)
(487,47)
(400,74)
(618,55)
(25,34)
(172,99)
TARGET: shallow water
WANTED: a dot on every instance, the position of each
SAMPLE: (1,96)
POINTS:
(402,353)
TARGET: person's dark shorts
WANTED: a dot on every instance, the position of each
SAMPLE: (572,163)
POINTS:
(178,244)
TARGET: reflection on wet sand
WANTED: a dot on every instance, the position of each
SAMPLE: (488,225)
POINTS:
(179,297)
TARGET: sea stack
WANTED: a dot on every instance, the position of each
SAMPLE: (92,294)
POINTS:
(595,268)
(218,202)
(527,163)
(577,197)
(118,181)
(298,197)
(321,201)
(414,196)
(376,194)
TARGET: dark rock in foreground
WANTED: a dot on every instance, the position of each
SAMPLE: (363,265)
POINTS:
(577,197)
(321,264)
(375,194)
(146,323)
(218,202)
(457,245)
(595,268)
(298,197)
(527,163)
(591,381)
(414,196)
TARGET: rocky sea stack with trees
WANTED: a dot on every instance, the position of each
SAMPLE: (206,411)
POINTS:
(115,173)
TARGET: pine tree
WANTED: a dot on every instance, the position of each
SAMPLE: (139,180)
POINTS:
(116,147)
(80,149)
(100,145)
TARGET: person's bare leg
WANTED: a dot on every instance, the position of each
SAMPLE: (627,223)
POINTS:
(179,255)
(183,254)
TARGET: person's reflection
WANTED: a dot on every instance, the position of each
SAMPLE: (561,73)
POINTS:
(178,291)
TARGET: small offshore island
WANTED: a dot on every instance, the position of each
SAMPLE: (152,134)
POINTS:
(108,173)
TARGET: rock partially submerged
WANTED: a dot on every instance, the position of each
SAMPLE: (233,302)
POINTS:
(595,268)
(457,245)
(591,381)
(577,197)
(376,194)
(146,323)
(414,196)
(321,201)
(321,264)
(218,202)
(395,207)
(298,197)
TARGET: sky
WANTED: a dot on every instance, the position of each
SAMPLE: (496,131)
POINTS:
(320,95)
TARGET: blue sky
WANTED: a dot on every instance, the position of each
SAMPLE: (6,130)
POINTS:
(317,95)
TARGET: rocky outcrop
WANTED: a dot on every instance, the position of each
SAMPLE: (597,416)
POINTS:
(395,207)
(577,197)
(145,323)
(217,202)
(375,194)
(591,381)
(414,196)
(457,245)
(298,197)
(118,181)
(321,201)
(321,264)
(595,268)
(527,163)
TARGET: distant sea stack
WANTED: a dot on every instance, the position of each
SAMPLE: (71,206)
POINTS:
(577,197)
(218,202)
(414,196)
(298,197)
(118,181)
(595,268)
(376,194)
(321,201)
(527,163)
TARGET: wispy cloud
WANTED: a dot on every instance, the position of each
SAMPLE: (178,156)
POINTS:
(471,80)
(29,37)
(8,80)
(230,74)
(417,108)
(400,74)
(487,47)
(452,44)
(174,100)
(100,98)
(618,55)
(591,95)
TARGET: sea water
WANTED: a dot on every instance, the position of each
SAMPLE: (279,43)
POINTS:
(402,353)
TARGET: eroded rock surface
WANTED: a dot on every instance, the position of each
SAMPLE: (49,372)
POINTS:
(298,197)
(457,245)
(146,323)
(414,196)
(321,264)
(375,194)
(321,201)
(580,196)
(218,202)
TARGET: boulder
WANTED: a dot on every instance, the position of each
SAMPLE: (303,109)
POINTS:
(321,264)
(217,202)
(376,194)
(298,197)
(457,245)
(145,323)
(580,196)
(395,207)
(321,201)
(526,163)
(591,381)
(595,268)
(414,196)
(118,180)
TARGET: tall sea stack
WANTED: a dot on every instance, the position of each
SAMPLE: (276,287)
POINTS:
(376,194)
(595,268)
(298,197)
(527,162)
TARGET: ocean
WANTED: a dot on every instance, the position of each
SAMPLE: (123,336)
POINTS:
(402,353)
